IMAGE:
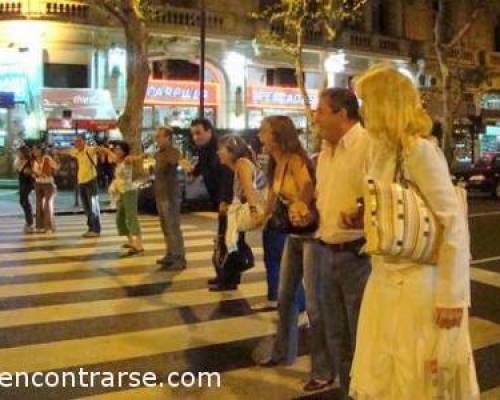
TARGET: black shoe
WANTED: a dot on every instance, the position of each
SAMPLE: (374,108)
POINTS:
(174,265)
(223,287)
(167,260)
(213,281)
(269,363)
(177,265)
(314,385)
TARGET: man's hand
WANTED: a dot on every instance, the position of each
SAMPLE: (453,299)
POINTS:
(447,318)
(352,219)
(186,165)
(223,208)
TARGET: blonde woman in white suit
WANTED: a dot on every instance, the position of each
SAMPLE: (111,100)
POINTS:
(413,339)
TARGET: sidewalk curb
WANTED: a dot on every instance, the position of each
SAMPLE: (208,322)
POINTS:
(61,213)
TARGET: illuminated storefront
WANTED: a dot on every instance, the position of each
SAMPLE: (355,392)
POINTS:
(72,111)
(263,101)
(175,103)
(490,112)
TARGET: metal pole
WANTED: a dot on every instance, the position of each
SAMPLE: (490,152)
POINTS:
(203,19)
(77,186)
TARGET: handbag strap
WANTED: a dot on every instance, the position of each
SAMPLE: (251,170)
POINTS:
(399,172)
(282,180)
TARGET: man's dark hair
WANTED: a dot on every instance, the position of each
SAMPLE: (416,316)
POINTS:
(124,146)
(342,98)
(207,125)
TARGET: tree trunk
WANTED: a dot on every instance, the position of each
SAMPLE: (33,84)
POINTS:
(137,75)
(312,139)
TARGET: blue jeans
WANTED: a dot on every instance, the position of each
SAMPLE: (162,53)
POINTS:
(90,204)
(273,243)
(343,276)
(291,300)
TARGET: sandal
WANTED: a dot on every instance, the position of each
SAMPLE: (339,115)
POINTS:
(135,251)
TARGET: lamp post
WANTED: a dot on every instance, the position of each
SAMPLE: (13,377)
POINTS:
(203,19)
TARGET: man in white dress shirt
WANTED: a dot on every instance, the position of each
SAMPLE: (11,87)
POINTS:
(343,271)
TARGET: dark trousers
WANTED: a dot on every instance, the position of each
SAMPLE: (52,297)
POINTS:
(169,213)
(227,275)
(24,200)
(343,276)
(90,204)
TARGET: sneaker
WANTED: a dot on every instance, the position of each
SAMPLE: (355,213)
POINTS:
(91,234)
(49,231)
(269,305)
(29,229)
(40,230)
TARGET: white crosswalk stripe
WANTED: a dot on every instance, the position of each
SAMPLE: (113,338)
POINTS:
(67,303)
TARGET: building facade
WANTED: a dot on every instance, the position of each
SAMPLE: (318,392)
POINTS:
(64,55)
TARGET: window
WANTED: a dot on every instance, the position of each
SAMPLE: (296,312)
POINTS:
(65,75)
(497,35)
(379,18)
(284,77)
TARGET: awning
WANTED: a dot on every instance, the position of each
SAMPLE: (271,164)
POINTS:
(91,109)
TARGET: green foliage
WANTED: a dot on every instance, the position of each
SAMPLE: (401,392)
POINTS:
(295,17)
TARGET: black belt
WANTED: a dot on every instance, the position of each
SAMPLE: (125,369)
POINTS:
(353,246)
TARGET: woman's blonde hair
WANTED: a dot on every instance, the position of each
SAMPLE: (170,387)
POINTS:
(391,107)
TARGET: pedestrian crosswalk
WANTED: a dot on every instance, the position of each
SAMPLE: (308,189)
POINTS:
(68,303)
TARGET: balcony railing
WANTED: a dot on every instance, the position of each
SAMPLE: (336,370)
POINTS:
(10,8)
(190,18)
(313,35)
(373,42)
(493,60)
(60,10)
(463,56)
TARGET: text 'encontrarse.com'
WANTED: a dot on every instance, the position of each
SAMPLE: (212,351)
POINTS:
(123,379)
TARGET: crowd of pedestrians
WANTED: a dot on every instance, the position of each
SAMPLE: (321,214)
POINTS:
(385,328)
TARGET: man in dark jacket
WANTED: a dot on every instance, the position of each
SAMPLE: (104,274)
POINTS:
(218,178)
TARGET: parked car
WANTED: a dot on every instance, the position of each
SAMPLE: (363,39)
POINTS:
(194,195)
(484,176)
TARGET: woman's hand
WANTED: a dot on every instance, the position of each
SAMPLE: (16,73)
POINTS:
(257,215)
(447,318)
(299,214)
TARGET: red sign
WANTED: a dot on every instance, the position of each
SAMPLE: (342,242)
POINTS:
(90,125)
(171,92)
(278,97)
(85,104)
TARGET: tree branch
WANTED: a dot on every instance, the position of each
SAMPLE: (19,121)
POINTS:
(464,30)
(112,8)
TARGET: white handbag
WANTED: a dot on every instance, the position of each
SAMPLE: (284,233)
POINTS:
(398,222)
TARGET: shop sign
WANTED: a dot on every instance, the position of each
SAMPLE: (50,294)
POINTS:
(7,99)
(278,97)
(14,81)
(84,103)
(171,92)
